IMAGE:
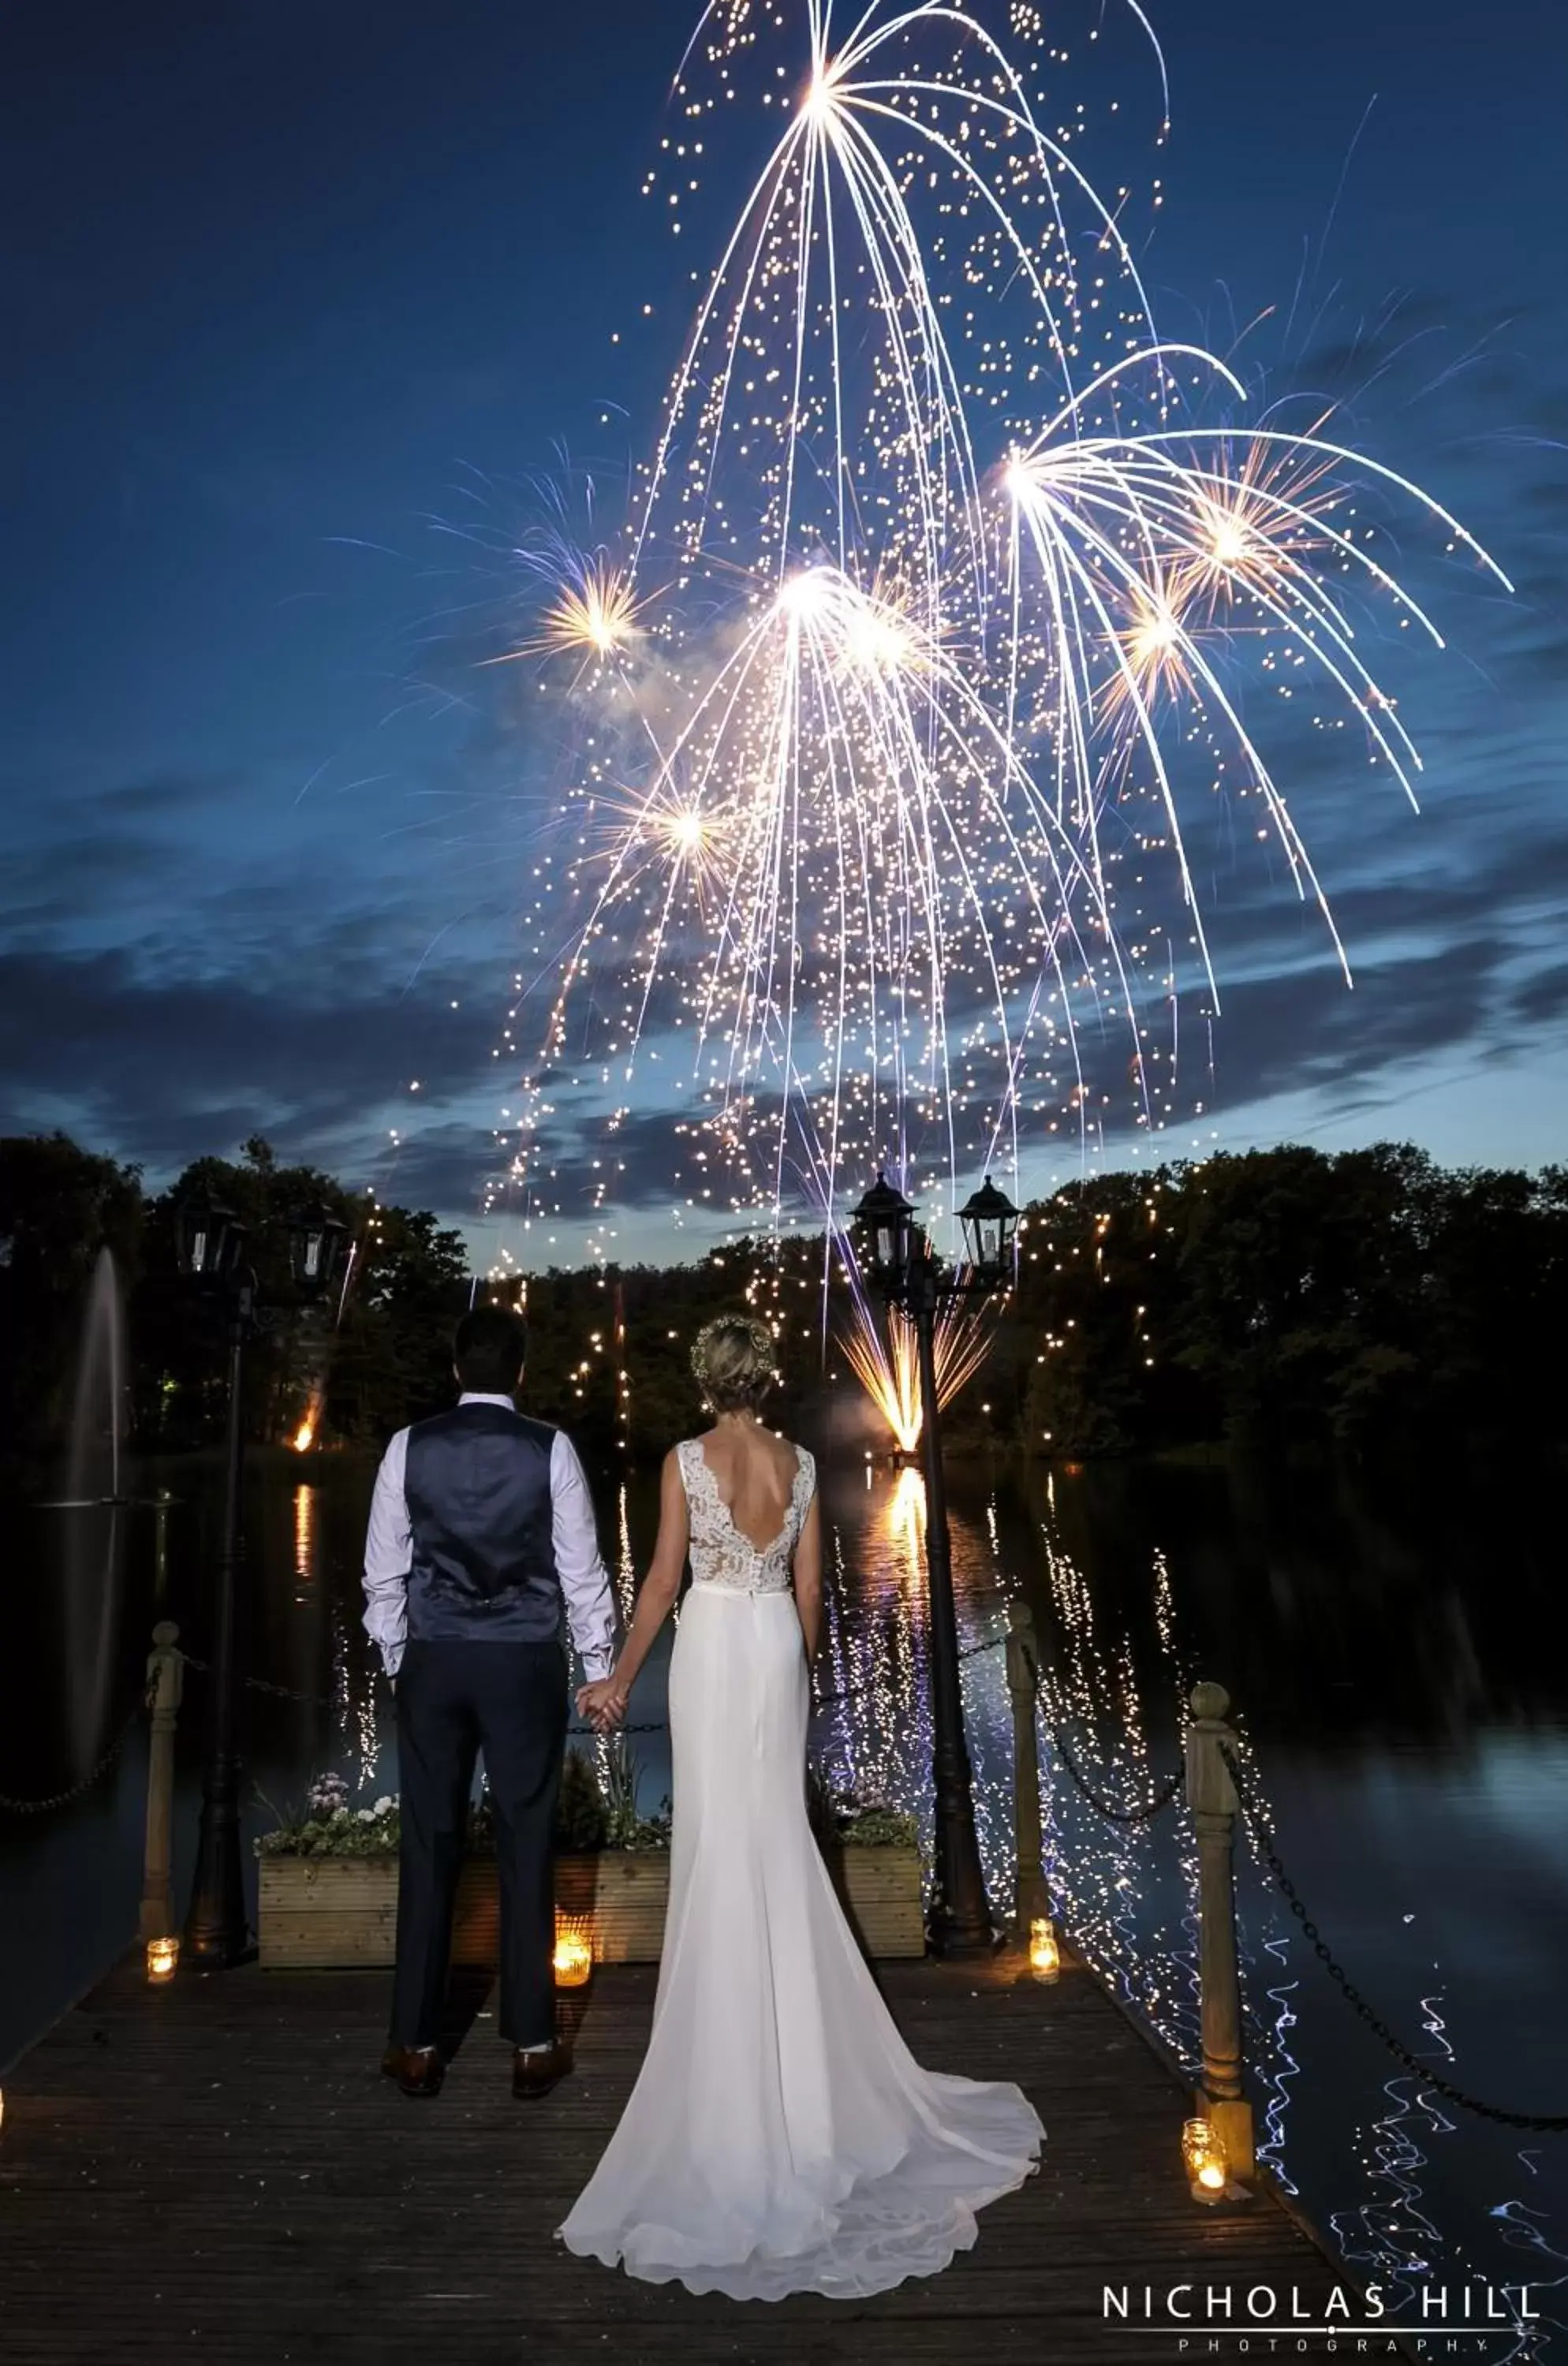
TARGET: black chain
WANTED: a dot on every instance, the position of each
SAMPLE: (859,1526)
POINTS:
(1556,2123)
(854,1691)
(822,1700)
(266,1684)
(613,1733)
(322,1700)
(287,1692)
(79,1790)
(1139,1815)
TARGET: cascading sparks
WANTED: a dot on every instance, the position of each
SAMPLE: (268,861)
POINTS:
(969,592)
(886,1363)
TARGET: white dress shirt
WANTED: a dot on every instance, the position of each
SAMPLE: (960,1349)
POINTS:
(585,1583)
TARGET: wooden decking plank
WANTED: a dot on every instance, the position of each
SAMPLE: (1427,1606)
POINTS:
(219,2165)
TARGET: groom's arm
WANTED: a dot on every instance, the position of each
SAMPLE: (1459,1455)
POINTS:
(585,1581)
(388,1544)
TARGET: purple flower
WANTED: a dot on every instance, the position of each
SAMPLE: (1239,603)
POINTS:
(328,1794)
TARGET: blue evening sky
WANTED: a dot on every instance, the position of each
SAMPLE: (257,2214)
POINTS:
(298,296)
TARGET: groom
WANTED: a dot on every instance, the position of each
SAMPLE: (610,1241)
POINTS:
(480,1526)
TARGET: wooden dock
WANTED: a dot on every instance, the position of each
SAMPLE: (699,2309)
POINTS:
(217,2171)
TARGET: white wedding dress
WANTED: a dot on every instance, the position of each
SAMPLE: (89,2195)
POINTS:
(780,2137)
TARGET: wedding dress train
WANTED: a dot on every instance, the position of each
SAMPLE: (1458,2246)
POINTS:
(780,2137)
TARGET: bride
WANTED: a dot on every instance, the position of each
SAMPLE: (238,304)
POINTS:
(779,2136)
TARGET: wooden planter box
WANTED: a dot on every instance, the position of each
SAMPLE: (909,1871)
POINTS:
(880,1890)
(320,1911)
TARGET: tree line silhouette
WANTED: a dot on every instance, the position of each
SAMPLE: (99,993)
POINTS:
(1368,1302)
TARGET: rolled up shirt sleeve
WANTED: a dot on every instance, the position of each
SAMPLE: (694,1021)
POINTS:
(585,1581)
(388,1543)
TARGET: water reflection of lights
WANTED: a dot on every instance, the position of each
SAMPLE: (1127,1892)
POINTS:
(906,1521)
(353,1692)
(626,1567)
(873,1734)
(305,1545)
(1128,1890)
(1395,2240)
(1116,1655)
(1128,1895)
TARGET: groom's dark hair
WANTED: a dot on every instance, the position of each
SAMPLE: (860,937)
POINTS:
(488,1347)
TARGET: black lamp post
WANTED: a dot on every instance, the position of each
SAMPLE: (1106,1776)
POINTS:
(210,1245)
(913,1279)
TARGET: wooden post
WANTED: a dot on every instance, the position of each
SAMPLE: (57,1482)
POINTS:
(165,1678)
(1034,1897)
(1212,1796)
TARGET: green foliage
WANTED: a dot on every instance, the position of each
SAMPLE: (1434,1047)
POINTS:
(597,1810)
(60,1206)
(594,1813)
(1369,1302)
(617,1779)
(581,1820)
(177,1331)
(1286,1297)
(391,1358)
(377,1356)
(349,1832)
(843,1819)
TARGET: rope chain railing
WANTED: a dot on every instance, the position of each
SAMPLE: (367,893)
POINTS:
(1142,1814)
(325,1700)
(656,1725)
(263,1685)
(1220,1796)
(870,1684)
(1550,2122)
(13,1807)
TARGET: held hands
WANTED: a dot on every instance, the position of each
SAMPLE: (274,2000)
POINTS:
(603,1704)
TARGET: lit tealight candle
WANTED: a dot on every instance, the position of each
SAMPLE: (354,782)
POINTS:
(1044,1955)
(574,1950)
(1204,2155)
(163,1957)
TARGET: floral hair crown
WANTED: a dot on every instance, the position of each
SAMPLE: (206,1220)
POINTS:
(728,1326)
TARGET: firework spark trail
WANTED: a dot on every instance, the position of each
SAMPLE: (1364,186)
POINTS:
(885,1363)
(961,593)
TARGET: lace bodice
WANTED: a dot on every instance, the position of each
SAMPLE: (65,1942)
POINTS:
(720,1554)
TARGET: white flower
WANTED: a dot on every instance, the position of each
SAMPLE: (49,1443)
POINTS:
(384,1807)
(366,1815)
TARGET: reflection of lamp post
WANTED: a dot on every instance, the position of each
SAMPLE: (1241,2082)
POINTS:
(914,1280)
(211,1250)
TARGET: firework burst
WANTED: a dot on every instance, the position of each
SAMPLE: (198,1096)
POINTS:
(964,599)
(886,1362)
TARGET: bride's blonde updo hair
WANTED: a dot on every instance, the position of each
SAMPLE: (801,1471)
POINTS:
(736,1362)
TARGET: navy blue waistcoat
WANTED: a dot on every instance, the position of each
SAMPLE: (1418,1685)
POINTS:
(483,1562)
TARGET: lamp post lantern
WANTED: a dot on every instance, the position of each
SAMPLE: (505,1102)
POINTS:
(991,1224)
(914,1280)
(315,1238)
(211,1247)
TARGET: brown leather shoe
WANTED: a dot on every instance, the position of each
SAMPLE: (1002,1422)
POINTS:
(418,2070)
(534,2075)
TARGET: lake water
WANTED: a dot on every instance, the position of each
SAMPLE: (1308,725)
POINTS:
(1404,1723)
